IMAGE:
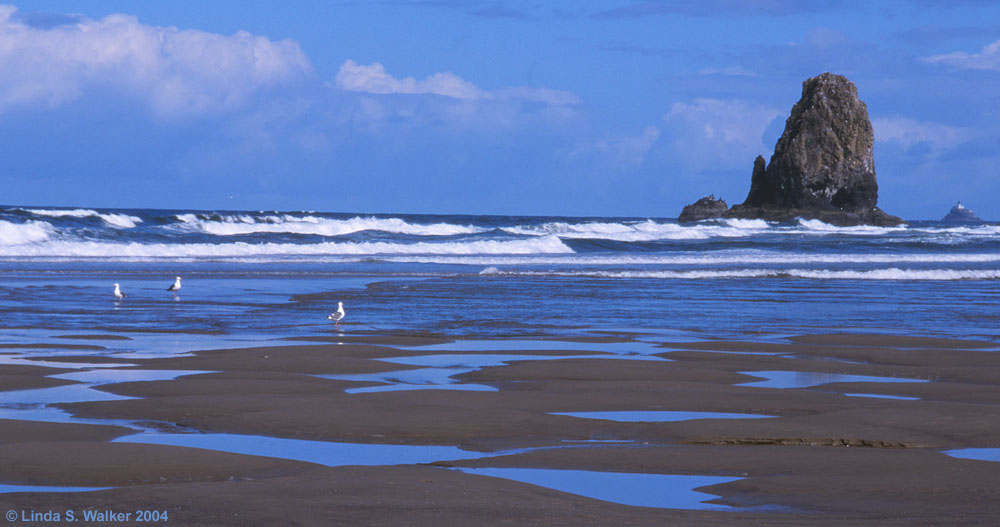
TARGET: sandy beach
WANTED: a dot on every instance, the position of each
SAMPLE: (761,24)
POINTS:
(823,459)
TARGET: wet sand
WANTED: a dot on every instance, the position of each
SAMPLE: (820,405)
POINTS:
(825,459)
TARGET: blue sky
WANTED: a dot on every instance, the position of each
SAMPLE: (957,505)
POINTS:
(451,106)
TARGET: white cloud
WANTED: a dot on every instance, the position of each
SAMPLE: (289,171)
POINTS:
(374,79)
(909,133)
(717,134)
(177,72)
(987,59)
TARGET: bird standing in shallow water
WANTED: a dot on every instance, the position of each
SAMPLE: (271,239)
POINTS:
(176,286)
(118,292)
(337,315)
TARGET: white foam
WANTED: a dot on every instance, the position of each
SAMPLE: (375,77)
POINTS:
(959,234)
(76,213)
(650,230)
(286,223)
(131,251)
(739,223)
(123,221)
(23,233)
(635,232)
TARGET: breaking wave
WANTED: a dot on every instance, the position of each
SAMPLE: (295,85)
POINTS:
(247,224)
(644,231)
(123,221)
(12,234)
(93,249)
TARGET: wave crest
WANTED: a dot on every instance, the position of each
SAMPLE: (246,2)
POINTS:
(624,232)
(23,233)
(93,249)
(123,221)
(286,223)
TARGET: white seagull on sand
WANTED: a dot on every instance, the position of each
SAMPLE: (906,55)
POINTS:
(118,292)
(337,315)
(176,286)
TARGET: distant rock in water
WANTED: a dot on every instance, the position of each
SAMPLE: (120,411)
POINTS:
(960,214)
(704,208)
(823,165)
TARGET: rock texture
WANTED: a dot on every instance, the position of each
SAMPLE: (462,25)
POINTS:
(704,208)
(823,165)
(960,214)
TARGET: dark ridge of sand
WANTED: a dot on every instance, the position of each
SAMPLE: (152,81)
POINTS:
(14,431)
(76,359)
(97,464)
(940,365)
(25,377)
(429,340)
(153,330)
(891,341)
(93,337)
(311,359)
(41,345)
(871,354)
(380,340)
(829,459)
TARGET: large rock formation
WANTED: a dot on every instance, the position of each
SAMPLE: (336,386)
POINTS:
(960,214)
(823,166)
(703,209)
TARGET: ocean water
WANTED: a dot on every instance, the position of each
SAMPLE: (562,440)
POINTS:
(259,275)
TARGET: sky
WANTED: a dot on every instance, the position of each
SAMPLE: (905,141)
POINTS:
(578,108)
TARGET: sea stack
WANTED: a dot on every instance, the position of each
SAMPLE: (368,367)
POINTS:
(823,165)
(703,209)
(960,214)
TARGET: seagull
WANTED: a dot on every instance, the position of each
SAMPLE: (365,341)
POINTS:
(337,315)
(118,292)
(176,286)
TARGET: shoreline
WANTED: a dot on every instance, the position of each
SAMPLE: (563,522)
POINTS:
(825,458)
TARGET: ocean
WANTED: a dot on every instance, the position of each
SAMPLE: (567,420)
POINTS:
(260,275)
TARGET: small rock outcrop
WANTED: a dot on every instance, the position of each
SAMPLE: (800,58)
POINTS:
(823,165)
(960,214)
(703,209)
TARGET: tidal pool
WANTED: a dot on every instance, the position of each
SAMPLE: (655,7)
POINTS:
(32,404)
(320,452)
(980,454)
(882,396)
(659,416)
(639,490)
(807,379)
(419,379)
(440,370)
(8,489)
(618,348)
